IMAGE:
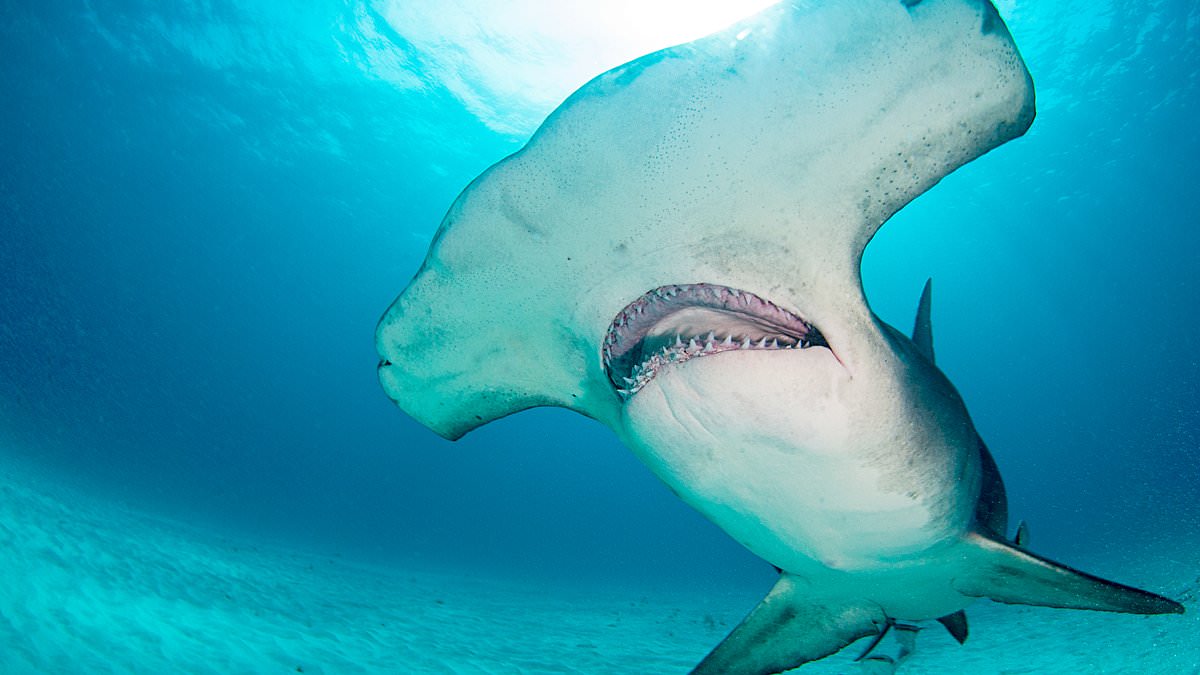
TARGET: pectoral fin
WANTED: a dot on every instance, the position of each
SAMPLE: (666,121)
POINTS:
(790,628)
(1008,574)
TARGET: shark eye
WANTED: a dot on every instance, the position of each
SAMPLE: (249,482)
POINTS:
(672,324)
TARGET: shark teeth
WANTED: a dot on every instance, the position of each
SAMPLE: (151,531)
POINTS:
(663,327)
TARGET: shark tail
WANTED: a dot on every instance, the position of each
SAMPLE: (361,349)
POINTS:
(1012,575)
(789,628)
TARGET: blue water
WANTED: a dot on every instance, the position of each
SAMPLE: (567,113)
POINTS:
(206,205)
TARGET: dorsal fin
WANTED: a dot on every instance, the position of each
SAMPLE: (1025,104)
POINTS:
(922,334)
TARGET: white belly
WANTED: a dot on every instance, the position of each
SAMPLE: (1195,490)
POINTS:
(789,474)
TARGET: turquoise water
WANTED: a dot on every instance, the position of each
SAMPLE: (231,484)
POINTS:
(205,206)
(96,586)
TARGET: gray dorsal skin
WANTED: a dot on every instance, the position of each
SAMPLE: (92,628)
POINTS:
(675,253)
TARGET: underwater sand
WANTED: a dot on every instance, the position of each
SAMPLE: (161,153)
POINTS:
(92,586)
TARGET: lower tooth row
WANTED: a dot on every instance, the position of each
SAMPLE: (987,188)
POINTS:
(645,370)
(692,348)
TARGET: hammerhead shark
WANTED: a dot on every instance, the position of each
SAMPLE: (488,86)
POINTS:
(676,254)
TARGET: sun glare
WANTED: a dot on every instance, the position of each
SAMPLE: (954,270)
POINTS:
(646,26)
(512,62)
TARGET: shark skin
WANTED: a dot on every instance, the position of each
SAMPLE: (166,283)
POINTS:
(675,253)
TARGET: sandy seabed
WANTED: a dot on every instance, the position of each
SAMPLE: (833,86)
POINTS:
(91,586)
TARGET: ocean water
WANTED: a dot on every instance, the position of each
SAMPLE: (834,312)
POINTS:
(206,205)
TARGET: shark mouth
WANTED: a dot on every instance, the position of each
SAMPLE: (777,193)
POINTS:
(673,324)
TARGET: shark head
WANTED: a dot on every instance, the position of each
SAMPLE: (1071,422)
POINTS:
(762,158)
(675,253)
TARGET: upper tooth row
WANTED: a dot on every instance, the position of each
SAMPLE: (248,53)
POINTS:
(666,293)
(710,343)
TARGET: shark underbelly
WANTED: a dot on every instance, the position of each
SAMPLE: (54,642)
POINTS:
(822,522)
(798,506)
(796,516)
